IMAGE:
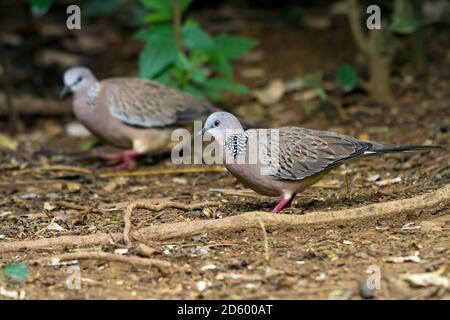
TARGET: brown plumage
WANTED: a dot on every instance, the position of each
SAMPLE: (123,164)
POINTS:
(132,113)
(287,160)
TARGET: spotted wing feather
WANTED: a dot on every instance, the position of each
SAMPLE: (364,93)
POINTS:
(305,152)
(145,103)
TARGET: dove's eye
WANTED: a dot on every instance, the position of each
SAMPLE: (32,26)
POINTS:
(216,123)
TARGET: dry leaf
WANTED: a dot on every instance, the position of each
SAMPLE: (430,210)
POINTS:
(272,93)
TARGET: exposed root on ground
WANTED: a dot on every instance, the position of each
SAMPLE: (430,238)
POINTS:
(431,202)
(157,205)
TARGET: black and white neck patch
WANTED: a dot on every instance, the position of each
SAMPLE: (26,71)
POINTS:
(236,143)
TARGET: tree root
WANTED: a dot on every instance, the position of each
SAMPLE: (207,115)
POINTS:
(431,202)
(156,205)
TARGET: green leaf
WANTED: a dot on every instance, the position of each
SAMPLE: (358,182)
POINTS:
(195,38)
(221,64)
(199,76)
(216,86)
(233,47)
(97,8)
(161,10)
(157,5)
(40,7)
(194,90)
(347,77)
(166,78)
(158,17)
(404,23)
(16,271)
(160,51)
(88,145)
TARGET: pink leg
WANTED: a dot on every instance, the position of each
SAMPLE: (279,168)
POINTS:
(288,205)
(126,157)
(285,202)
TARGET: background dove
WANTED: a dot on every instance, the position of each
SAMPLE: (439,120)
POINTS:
(131,113)
(292,158)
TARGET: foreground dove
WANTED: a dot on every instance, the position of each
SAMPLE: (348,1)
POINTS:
(285,161)
(131,113)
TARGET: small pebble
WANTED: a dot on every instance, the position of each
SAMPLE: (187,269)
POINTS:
(364,291)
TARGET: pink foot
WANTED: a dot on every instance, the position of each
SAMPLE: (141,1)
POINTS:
(284,203)
(126,157)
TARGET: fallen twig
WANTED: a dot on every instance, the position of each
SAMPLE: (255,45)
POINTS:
(156,205)
(265,240)
(240,193)
(83,209)
(55,168)
(136,261)
(431,203)
(154,172)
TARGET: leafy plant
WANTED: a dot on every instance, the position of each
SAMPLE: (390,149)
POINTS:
(381,46)
(347,77)
(40,7)
(15,271)
(314,82)
(183,55)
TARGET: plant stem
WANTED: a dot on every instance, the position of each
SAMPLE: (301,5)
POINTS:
(354,18)
(176,13)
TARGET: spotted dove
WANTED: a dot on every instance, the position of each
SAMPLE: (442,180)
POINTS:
(287,160)
(131,113)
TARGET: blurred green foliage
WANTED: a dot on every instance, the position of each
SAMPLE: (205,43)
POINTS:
(188,58)
(347,77)
(40,7)
(15,271)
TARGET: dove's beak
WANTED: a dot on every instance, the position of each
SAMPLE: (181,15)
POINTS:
(64,92)
(203,131)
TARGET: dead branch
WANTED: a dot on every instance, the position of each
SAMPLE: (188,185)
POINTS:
(265,240)
(135,261)
(55,168)
(156,205)
(154,172)
(74,206)
(30,106)
(430,202)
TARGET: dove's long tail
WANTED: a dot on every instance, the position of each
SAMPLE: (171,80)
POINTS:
(376,147)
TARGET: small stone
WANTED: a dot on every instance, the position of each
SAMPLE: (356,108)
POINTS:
(209,267)
(73,187)
(364,291)
(121,251)
(373,178)
(48,206)
(53,196)
(76,129)
(30,196)
(181,181)
(201,285)
(201,238)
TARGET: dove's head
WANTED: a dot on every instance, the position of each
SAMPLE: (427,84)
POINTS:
(77,79)
(220,124)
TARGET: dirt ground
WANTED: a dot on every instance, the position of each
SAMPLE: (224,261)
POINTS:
(319,261)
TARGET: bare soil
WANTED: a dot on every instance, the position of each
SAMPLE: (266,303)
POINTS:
(315,262)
